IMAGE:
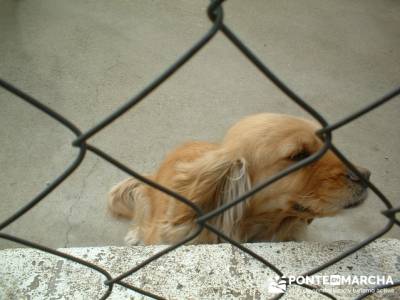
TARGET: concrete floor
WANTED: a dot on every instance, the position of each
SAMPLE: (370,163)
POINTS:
(231,276)
(85,58)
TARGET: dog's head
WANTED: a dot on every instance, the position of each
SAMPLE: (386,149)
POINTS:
(260,146)
(270,143)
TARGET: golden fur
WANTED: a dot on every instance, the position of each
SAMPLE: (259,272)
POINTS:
(210,175)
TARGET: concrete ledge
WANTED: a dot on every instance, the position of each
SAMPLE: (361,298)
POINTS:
(193,272)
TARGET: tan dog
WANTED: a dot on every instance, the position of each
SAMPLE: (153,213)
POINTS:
(211,175)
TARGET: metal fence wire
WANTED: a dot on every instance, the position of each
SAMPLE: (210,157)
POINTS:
(215,14)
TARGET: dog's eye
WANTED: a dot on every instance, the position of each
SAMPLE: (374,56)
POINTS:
(300,155)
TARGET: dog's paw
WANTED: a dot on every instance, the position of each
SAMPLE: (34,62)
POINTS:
(132,238)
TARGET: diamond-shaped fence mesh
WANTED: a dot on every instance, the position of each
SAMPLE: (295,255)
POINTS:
(215,14)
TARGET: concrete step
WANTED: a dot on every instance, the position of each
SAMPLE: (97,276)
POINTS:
(197,272)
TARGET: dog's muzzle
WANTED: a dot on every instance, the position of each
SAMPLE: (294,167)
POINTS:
(357,203)
(353,177)
(363,192)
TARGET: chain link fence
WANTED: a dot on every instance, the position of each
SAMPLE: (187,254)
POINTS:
(215,14)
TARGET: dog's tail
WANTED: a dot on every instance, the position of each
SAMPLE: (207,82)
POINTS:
(121,198)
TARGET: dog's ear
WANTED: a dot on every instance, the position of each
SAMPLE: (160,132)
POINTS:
(234,184)
(212,181)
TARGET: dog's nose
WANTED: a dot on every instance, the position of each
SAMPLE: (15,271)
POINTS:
(364,172)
